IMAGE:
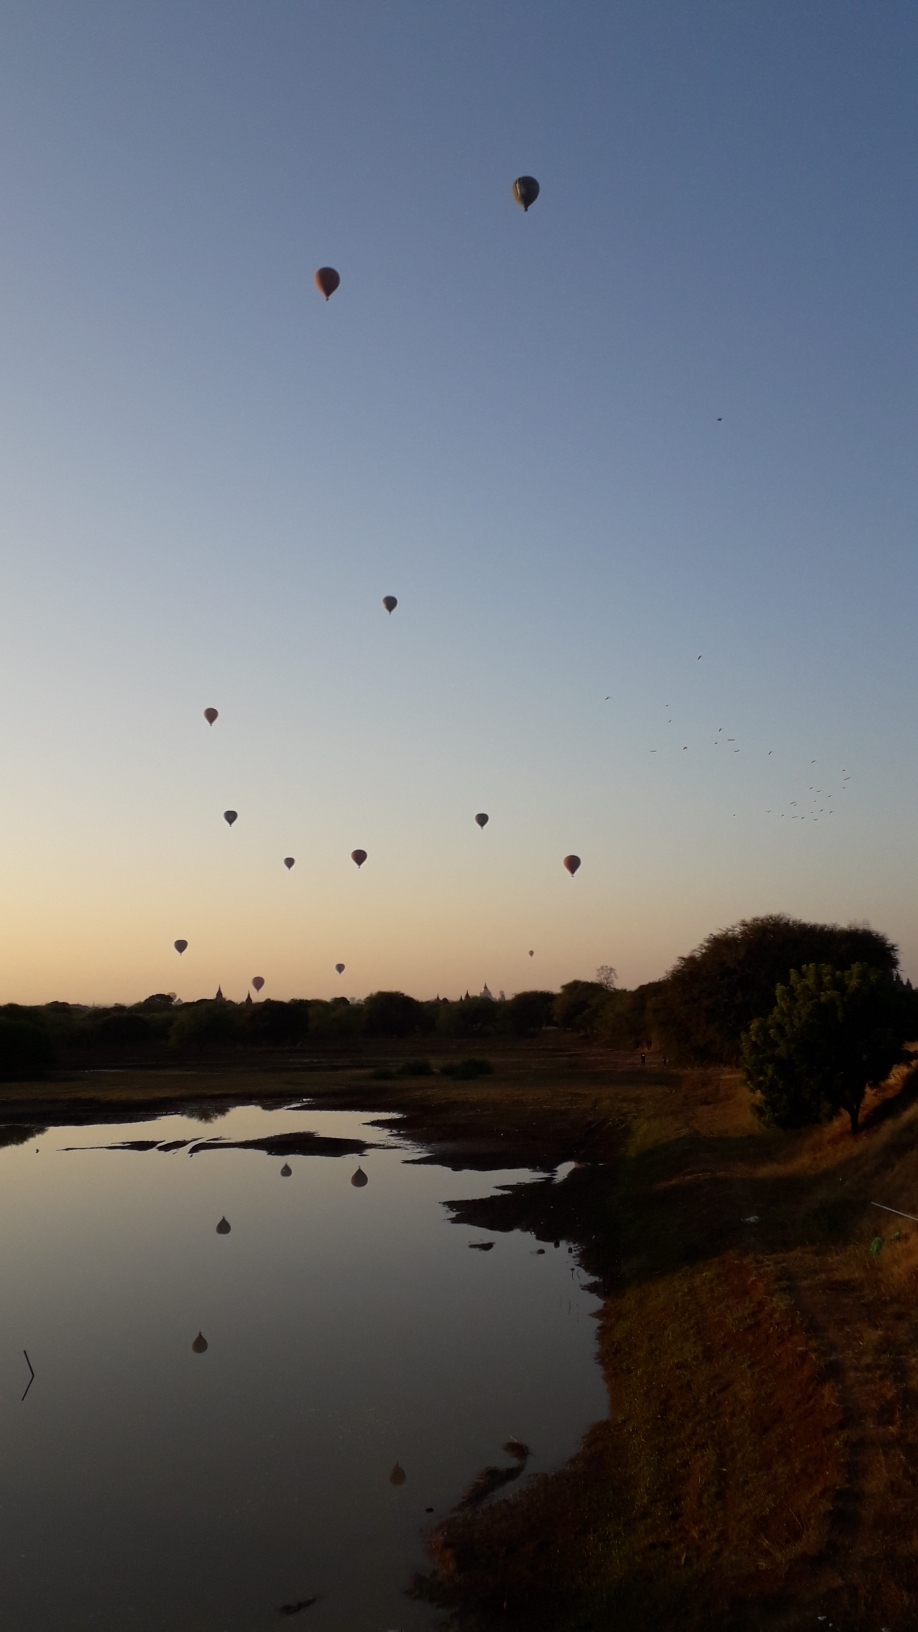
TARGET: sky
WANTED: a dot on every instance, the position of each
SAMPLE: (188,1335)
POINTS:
(639,465)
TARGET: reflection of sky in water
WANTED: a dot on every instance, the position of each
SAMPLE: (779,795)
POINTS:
(144,1487)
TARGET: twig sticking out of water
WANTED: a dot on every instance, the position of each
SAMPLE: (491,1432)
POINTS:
(31,1379)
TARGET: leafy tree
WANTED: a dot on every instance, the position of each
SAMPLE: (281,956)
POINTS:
(26,1050)
(205,1025)
(831,1034)
(528,1012)
(470,1017)
(626,1019)
(391,1014)
(579,1004)
(273,1023)
(711,996)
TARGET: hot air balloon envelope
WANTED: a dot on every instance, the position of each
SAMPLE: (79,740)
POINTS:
(572,863)
(230,816)
(532,954)
(339,967)
(288,862)
(258,981)
(397,1476)
(481,819)
(223,1228)
(210,714)
(525,190)
(359,1179)
(199,1346)
(358,856)
(327,280)
(180,946)
(286,1171)
(390,603)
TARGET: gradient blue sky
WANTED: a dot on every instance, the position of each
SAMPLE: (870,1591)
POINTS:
(669,411)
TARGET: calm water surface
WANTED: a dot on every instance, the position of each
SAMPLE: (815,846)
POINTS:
(144,1487)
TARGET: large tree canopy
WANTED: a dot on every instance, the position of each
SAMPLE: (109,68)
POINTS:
(712,996)
(831,1034)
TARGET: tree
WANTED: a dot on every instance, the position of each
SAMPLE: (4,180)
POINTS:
(391,1014)
(26,1050)
(711,996)
(579,1005)
(607,977)
(206,1024)
(528,1012)
(831,1034)
(469,1017)
(274,1023)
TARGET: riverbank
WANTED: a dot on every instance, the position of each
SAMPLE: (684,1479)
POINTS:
(757,1465)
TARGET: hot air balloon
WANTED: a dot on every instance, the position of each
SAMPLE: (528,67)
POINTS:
(223,1227)
(258,981)
(230,816)
(339,967)
(180,946)
(532,954)
(358,856)
(359,1179)
(481,819)
(525,190)
(390,603)
(572,863)
(327,279)
(288,862)
(199,1346)
(210,714)
(286,1171)
(397,1476)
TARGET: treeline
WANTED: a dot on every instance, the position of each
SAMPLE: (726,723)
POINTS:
(698,1014)
(33,1040)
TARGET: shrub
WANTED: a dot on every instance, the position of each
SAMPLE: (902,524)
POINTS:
(465,1070)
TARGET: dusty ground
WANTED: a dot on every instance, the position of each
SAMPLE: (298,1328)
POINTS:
(759,1465)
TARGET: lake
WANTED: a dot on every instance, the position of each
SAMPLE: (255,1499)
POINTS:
(144,1486)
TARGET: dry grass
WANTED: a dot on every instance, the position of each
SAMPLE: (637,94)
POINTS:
(760,1461)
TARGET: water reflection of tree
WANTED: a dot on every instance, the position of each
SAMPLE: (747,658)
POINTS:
(19,1135)
(207,1113)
